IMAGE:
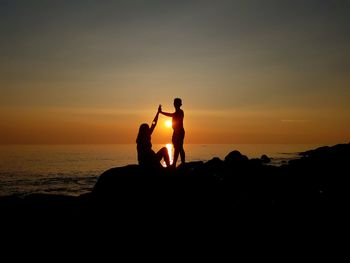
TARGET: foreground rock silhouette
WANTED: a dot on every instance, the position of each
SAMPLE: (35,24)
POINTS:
(315,183)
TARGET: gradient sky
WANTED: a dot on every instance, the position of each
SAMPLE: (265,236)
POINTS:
(247,71)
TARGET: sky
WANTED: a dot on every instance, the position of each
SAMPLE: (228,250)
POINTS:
(247,71)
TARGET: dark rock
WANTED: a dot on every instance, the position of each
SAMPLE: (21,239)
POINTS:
(255,162)
(235,157)
(265,159)
(214,165)
(190,166)
(318,181)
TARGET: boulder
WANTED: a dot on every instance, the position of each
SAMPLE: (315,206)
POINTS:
(265,159)
(235,157)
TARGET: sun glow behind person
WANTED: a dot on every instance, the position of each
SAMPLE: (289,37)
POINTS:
(168,123)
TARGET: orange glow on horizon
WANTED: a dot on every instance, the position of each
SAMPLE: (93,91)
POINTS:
(95,126)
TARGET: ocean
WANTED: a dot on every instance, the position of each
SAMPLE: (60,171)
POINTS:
(74,169)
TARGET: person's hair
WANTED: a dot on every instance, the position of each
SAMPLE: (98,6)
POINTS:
(144,133)
(177,102)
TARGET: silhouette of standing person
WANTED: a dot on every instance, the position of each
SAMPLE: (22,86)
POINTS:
(179,131)
(146,156)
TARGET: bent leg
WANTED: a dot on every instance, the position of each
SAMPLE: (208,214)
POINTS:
(163,153)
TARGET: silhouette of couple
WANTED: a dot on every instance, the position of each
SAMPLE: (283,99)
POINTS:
(146,156)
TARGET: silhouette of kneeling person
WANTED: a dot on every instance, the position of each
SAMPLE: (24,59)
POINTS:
(146,156)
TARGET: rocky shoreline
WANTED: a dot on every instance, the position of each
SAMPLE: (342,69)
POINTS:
(317,182)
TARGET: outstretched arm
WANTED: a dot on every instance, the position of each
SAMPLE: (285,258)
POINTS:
(168,114)
(154,122)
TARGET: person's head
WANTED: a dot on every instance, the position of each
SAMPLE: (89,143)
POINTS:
(144,132)
(177,102)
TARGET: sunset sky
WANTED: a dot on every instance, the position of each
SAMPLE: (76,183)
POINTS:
(247,71)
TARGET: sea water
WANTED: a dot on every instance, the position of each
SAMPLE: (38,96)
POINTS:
(74,169)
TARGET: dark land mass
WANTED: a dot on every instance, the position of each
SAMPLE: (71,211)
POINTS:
(213,192)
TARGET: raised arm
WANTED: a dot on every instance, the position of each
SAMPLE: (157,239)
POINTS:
(168,114)
(154,122)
